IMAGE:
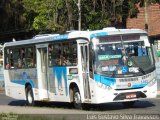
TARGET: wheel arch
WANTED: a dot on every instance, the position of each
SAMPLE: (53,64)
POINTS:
(29,92)
(71,87)
(29,84)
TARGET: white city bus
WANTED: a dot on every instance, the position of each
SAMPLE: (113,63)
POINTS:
(101,66)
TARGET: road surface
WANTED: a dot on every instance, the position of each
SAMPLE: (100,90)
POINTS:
(144,107)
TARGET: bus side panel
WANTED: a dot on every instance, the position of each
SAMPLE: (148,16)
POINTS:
(58,84)
(60,79)
(12,89)
(16,79)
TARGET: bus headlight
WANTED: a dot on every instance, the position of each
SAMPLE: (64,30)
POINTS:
(103,86)
(152,82)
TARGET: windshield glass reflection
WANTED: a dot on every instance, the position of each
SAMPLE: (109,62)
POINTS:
(129,58)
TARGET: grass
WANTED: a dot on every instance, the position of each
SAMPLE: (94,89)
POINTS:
(32,117)
(12,116)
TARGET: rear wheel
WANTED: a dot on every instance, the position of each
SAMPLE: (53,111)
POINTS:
(29,96)
(128,104)
(77,99)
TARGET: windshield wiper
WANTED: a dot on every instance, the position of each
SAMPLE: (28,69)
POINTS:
(141,70)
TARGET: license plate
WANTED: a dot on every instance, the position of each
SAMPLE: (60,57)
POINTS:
(130,96)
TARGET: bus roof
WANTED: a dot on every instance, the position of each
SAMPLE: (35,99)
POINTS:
(74,34)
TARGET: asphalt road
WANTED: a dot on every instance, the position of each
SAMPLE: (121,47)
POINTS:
(147,106)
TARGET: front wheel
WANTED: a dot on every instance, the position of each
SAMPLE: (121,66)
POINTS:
(29,96)
(77,99)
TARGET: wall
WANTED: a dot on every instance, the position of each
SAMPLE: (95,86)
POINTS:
(153,20)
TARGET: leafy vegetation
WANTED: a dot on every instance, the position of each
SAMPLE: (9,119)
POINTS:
(13,116)
(47,16)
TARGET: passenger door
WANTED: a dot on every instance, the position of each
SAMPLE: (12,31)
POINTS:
(42,71)
(84,61)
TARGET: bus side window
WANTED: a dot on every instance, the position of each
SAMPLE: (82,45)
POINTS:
(70,54)
(30,57)
(64,54)
(58,55)
(23,57)
(11,58)
(17,58)
(73,53)
(66,59)
(6,58)
(54,55)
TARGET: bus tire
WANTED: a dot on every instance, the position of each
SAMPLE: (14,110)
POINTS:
(29,96)
(77,99)
(128,104)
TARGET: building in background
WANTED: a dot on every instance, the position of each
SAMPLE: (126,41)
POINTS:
(153,18)
(152,14)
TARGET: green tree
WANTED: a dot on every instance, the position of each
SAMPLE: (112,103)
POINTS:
(11,13)
(60,15)
(41,14)
(101,13)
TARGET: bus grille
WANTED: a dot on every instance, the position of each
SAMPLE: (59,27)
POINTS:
(122,96)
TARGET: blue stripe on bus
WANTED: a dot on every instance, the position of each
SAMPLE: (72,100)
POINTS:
(60,37)
(105,80)
(60,72)
(23,82)
(98,34)
(139,85)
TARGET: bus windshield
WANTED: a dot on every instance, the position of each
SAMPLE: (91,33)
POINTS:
(129,57)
